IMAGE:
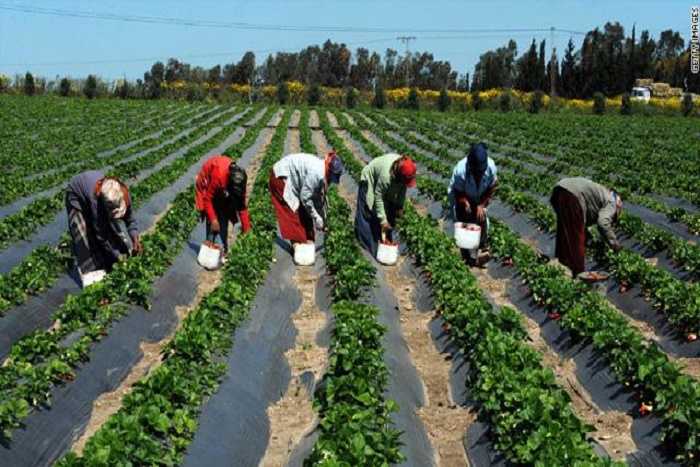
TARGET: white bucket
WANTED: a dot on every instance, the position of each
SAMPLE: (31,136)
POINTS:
(467,236)
(209,256)
(92,277)
(305,254)
(387,254)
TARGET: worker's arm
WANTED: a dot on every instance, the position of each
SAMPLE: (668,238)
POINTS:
(208,198)
(100,229)
(606,218)
(379,189)
(312,190)
(486,197)
(456,194)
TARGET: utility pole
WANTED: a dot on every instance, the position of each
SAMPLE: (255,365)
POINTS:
(552,69)
(406,40)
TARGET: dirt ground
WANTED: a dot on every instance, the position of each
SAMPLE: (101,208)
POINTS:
(613,428)
(109,403)
(331,118)
(292,417)
(445,423)
(313,119)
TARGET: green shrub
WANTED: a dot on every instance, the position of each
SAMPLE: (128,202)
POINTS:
(598,103)
(314,96)
(413,101)
(536,103)
(626,106)
(505,102)
(687,104)
(351,98)
(444,100)
(379,100)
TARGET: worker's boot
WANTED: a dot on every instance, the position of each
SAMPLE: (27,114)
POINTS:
(483,256)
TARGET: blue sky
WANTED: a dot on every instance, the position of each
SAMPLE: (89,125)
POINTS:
(50,45)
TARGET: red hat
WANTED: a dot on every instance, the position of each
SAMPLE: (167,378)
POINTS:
(407,173)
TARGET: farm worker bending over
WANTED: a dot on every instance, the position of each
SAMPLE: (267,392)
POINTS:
(473,182)
(578,203)
(298,186)
(381,196)
(220,197)
(102,227)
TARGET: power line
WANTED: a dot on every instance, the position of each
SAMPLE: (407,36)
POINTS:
(243,25)
(181,57)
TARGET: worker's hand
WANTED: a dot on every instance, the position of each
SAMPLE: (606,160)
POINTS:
(399,213)
(245,221)
(215,227)
(325,229)
(137,249)
(480,214)
(121,258)
(386,227)
(319,224)
(617,248)
(467,208)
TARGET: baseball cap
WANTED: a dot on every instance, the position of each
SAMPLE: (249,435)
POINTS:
(407,173)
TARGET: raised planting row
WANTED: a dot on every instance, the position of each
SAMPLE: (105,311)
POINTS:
(678,300)
(635,184)
(531,417)
(39,270)
(655,238)
(642,366)
(20,187)
(458,135)
(627,152)
(158,419)
(50,172)
(639,365)
(42,359)
(355,426)
(506,376)
(53,139)
(23,223)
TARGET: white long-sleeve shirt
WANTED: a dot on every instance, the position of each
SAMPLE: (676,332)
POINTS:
(305,184)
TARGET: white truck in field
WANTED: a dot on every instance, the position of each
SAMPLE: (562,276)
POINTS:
(640,93)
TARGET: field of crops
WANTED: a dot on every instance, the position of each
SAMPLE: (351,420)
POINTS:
(348,362)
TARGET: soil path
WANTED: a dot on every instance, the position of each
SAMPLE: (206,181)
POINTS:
(109,403)
(445,422)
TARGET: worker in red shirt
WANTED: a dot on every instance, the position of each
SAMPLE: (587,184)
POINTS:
(221,197)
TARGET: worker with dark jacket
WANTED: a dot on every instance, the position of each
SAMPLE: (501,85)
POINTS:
(102,227)
(579,203)
(473,183)
(381,196)
(221,197)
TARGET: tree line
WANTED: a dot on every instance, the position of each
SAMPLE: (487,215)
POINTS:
(608,61)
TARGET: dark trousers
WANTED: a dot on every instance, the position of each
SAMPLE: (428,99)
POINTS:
(368,230)
(570,247)
(223,215)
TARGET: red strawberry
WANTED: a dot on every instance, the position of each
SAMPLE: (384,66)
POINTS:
(555,315)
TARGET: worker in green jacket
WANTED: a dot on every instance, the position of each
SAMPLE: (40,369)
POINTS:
(380,198)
